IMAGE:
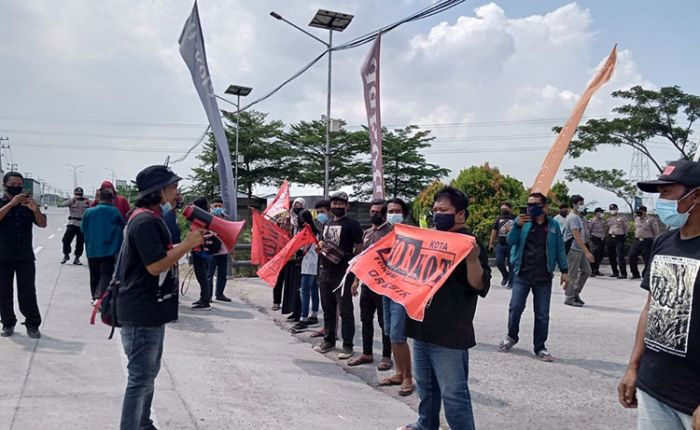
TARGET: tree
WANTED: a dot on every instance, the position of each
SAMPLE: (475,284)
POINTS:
(259,144)
(664,117)
(305,146)
(406,172)
(558,195)
(423,204)
(608,180)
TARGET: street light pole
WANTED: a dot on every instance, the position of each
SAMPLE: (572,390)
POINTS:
(327,152)
(238,91)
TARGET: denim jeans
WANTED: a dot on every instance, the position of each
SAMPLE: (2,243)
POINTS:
(442,376)
(143,347)
(218,266)
(309,292)
(541,297)
(503,262)
(394,321)
(655,415)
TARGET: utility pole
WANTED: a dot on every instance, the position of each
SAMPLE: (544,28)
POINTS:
(3,146)
(75,168)
(113,175)
(14,167)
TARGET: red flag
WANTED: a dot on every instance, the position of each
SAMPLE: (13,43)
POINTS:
(370,84)
(271,270)
(280,203)
(410,264)
(267,240)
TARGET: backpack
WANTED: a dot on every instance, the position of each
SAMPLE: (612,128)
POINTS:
(106,304)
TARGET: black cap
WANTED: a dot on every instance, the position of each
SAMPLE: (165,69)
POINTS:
(598,211)
(642,208)
(613,207)
(683,172)
(154,178)
(78,190)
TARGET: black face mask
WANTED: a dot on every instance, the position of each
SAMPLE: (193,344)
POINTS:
(563,213)
(505,212)
(377,219)
(639,213)
(297,210)
(14,191)
(338,212)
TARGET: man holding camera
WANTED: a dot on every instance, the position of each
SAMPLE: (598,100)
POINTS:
(77,205)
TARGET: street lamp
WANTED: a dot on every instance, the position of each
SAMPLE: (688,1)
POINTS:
(331,21)
(239,92)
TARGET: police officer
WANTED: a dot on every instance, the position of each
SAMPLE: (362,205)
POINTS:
(597,228)
(646,229)
(617,232)
(77,205)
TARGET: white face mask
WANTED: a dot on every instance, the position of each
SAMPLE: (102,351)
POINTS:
(613,213)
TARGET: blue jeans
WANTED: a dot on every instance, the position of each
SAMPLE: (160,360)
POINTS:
(503,262)
(442,377)
(394,321)
(218,265)
(309,291)
(143,347)
(655,415)
(541,297)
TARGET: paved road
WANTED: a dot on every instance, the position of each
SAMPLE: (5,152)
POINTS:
(238,367)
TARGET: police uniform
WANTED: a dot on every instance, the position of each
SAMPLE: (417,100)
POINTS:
(617,232)
(646,230)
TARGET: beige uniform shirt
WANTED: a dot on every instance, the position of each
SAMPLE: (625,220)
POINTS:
(646,227)
(617,225)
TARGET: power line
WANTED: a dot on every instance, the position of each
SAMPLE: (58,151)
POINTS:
(104,122)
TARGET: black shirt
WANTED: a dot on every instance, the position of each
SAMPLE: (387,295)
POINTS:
(16,233)
(534,265)
(340,237)
(144,299)
(670,369)
(448,320)
(500,225)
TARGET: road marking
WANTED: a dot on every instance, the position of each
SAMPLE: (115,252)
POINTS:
(38,249)
(59,230)
(52,236)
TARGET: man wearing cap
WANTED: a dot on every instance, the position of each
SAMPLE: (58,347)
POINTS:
(617,232)
(646,229)
(148,295)
(663,375)
(597,228)
(341,238)
(77,205)
(578,255)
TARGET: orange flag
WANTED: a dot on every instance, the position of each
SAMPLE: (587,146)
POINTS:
(410,264)
(267,239)
(280,203)
(271,270)
(556,154)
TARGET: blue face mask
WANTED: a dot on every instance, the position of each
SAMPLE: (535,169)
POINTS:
(444,222)
(535,211)
(166,207)
(217,211)
(394,219)
(668,213)
(322,218)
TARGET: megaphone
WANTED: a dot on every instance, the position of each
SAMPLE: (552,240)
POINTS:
(226,231)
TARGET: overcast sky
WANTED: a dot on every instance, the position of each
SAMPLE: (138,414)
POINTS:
(101,83)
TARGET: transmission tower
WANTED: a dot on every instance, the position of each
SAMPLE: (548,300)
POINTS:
(640,171)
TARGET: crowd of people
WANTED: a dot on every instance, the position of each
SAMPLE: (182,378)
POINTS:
(140,249)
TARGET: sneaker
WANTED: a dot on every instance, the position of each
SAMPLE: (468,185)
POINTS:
(293,318)
(614,275)
(223,298)
(622,277)
(578,299)
(504,282)
(275,307)
(312,320)
(33,332)
(77,262)
(324,347)
(196,303)
(201,307)
(636,277)
(7,331)
(65,258)
(544,355)
(506,344)
(345,353)
(299,327)
(573,302)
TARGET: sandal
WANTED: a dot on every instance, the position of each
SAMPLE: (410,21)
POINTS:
(385,364)
(318,333)
(362,359)
(386,382)
(506,344)
(406,390)
(275,307)
(544,355)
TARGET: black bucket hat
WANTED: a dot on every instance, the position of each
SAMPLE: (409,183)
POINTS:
(154,178)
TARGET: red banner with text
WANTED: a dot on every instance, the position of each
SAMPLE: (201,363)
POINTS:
(267,239)
(271,270)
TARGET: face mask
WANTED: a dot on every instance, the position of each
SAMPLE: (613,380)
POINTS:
(338,212)
(179,204)
(668,213)
(613,213)
(78,196)
(322,218)
(639,214)
(166,207)
(394,219)
(563,213)
(377,219)
(218,211)
(444,222)
(14,191)
(535,211)
(505,212)
(297,210)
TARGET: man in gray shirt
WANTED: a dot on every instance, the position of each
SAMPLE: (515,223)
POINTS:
(579,256)
(617,232)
